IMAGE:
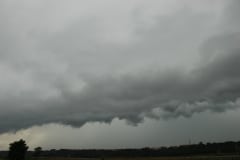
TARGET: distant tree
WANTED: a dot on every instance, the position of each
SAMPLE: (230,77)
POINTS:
(17,150)
(37,151)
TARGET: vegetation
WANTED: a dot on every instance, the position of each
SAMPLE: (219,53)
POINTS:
(217,149)
(37,151)
(17,150)
(200,151)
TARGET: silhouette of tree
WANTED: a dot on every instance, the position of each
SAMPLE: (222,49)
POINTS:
(17,150)
(37,151)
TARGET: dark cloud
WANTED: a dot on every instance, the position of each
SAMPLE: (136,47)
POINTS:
(50,83)
(214,87)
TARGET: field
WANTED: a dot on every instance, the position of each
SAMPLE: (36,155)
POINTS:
(145,158)
(155,158)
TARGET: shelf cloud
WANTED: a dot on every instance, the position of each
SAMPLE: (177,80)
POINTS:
(99,62)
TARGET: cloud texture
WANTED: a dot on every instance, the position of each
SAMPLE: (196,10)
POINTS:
(94,63)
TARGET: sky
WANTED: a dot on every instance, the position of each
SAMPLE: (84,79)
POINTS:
(119,74)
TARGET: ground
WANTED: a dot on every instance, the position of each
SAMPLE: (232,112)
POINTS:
(155,158)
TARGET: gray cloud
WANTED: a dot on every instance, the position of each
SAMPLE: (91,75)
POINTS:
(230,16)
(77,75)
(213,87)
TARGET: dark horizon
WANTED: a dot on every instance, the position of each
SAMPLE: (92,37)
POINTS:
(143,147)
(201,149)
(119,74)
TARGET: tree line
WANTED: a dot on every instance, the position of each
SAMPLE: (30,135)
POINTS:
(19,149)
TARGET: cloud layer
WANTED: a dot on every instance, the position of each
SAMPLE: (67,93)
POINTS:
(96,62)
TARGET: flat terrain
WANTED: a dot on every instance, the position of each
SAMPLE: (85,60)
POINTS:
(147,158)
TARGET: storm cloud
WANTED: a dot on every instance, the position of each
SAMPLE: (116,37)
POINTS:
(129,65)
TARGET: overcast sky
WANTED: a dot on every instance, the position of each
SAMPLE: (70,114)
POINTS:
(116,74)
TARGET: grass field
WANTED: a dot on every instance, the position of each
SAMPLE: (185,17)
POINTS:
(155,158)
